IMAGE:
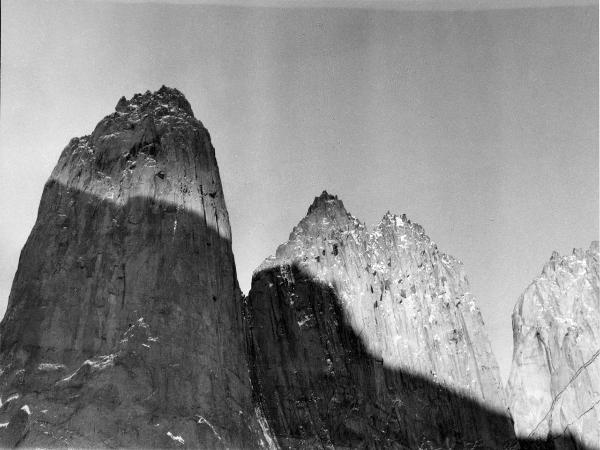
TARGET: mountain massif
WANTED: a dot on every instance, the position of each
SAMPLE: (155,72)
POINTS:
(123,323)
(371,337)
(126,327)
(554,384)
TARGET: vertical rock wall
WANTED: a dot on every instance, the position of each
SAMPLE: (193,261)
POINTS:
(554,384)
(371,338)
(124,323)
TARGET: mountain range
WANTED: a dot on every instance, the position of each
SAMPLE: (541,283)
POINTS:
(126,326)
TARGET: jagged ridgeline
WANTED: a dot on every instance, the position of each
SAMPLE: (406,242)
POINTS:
(554,384)
(126,327)
(124,321)
(371,338)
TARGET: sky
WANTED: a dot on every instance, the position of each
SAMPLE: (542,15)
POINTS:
(480,123)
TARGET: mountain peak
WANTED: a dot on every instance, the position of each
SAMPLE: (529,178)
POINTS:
(139,126)
(555,323)
(390,301)
(143,192)
(165,96)
(324,201)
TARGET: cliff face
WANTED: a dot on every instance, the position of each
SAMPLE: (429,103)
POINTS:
(124,323)
(372,338)
(554,384)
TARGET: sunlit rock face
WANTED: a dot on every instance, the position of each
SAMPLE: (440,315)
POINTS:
(554,384)
(124,324)
(371,338)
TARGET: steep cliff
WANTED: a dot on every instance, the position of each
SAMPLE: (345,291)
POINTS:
(554,384)
(124,324)
(365,338)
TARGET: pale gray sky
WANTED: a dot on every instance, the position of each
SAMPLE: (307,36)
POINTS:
(481,125)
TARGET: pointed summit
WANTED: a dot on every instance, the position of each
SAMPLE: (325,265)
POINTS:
(125,277)
(324,201)
(555,370)
(361,330)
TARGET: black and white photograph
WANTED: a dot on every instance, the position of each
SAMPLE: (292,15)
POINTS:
(299,224)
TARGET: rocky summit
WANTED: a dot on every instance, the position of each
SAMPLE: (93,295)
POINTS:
(554,384)
(371,339)
(126,327)
(124,322)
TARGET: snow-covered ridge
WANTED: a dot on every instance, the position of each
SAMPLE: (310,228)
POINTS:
(163,111)
(329,221)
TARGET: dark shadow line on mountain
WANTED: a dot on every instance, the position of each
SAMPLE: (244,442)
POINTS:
(60,261)
(172,231)
(319,386)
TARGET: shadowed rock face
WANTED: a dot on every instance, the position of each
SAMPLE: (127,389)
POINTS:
(371,338)
(124,323)
(554,384)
